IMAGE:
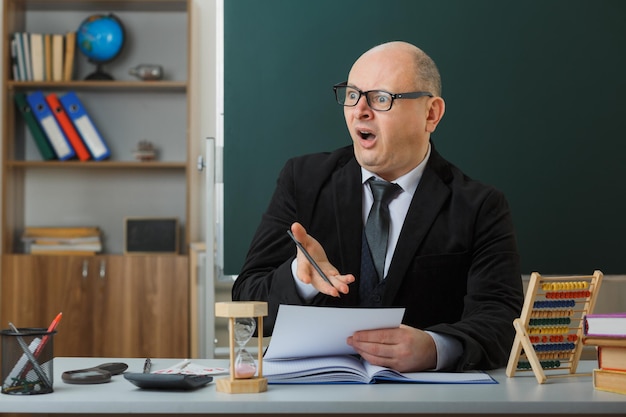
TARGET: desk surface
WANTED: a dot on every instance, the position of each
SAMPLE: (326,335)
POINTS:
(519,395)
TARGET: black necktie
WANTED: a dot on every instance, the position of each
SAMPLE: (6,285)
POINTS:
(377,225)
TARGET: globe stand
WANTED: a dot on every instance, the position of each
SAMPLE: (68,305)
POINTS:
(99,74)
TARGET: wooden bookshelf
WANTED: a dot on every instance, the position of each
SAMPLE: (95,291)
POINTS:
(131,289)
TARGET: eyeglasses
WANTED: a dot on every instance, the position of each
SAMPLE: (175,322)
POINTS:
(379,100)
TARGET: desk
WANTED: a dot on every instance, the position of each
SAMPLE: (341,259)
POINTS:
(519,395)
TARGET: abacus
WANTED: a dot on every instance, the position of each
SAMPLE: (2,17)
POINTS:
(549,331)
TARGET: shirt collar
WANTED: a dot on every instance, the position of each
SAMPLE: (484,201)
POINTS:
(408,181)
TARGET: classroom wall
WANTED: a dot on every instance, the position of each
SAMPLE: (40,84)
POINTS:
(535,106)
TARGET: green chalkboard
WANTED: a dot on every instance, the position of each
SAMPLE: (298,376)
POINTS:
(536,105)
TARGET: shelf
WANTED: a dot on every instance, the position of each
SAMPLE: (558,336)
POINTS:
(97,164)
(126,5)
(99,85)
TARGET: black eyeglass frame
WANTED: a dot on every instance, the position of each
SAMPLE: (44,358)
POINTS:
(409,95)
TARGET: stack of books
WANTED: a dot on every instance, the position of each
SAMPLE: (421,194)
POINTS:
(43,56)
(608,333)
(62,240)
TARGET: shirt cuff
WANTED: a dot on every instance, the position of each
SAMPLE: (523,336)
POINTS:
(449,350)
(305,291)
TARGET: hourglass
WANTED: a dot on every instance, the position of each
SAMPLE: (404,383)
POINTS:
(244,362)
(241,326)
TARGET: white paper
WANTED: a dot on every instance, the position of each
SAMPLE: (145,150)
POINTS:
(304,331)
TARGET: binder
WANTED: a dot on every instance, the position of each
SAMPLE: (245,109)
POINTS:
(38,134)
(85,126)
(68,127)
(49,124)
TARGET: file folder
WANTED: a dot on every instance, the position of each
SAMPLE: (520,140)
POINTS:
(38,134)
(68,127)
(50,126)
(85,126)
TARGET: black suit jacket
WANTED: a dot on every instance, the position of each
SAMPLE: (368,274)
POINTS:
(455,268)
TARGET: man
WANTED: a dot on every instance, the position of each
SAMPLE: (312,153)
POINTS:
(451,256)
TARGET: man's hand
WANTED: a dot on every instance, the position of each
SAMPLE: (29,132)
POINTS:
(307,273)
(404,349)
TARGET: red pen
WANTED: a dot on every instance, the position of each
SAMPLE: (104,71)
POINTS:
(44,339)
(43,342)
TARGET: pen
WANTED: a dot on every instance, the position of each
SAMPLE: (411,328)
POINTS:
(51,328)
(310,258)
(42,344)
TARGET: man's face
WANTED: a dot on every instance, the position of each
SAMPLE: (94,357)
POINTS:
(389,143)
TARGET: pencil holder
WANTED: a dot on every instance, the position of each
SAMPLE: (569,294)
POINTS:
(27,361)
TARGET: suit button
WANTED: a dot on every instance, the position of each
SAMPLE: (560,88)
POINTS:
(377,298)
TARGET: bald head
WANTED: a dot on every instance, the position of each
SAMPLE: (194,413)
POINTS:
(423,68)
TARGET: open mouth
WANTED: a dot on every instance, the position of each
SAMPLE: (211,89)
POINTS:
(366,135)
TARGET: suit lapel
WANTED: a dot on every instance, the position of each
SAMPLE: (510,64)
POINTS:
(347,192)
(430,196)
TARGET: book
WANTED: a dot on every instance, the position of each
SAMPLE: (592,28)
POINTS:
(308,346)
(68,127)
(84,125)
(39,136)
(35,232)
(19,52)
(612,357)
(61,240)
(348,369)
(68,58)
(604,341)
(47,52)
(65,247)
(57,57)
(602,325)
(50,126)
(608,380)
(65,252)
(37,56)
(27,62)
(15,71)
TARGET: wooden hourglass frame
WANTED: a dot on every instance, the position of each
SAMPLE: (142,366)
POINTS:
(242,309)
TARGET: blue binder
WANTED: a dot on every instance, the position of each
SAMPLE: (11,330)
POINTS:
(85,126)
(50,126)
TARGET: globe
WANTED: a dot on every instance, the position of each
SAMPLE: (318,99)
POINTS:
(101,39)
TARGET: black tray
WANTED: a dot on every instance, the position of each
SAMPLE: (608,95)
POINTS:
(167,381)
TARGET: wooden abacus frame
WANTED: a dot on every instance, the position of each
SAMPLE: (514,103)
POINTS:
(551,322)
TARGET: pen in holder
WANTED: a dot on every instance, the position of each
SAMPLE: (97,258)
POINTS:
(27,361)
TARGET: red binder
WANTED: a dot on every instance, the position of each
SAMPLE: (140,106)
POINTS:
(68,127)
